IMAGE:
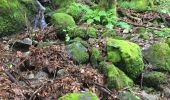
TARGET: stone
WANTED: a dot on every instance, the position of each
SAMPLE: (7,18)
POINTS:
(77,52)
(147,96)
(158,55)
(126,55)
(154,79)
(116,78)
(41,75)
(79,96)
(60,72)
(95,57)
(125,95)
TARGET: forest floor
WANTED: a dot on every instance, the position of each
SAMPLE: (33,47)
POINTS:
(31,75)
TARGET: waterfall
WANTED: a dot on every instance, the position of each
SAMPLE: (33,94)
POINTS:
(40,22)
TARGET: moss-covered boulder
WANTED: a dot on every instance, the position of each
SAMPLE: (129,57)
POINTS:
(77,52)
(62,3)
(138,5)
(91,32)
(79,96)
(126,55)
(115,77)
(77,32)
(159,56)
(12,17)
(95,57)
(154,79)
(62,22)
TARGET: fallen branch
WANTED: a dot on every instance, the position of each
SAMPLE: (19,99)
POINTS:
(31,98)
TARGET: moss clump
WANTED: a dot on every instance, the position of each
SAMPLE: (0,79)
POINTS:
(95,57)
(154,79)
(114,56)
(79,96)
(115,77)
(12,17)
(62,22)
(109,33)
(91,32)
(131,57)
(138,5)
(62,3)
(159,56)
(77,32)
(78,52)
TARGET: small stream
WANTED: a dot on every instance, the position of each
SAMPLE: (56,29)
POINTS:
(39,22)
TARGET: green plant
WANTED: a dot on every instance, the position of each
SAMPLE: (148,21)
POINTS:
(106,18)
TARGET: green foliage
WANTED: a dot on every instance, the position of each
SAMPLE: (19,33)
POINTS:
(106,18)
(154,79)
(124,26)
(116,78)
(91,32)
(79,96)
(62,3)
(95,57)
(163,6)
(163,32)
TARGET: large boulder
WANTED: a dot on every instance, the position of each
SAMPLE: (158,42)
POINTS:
(77,52)
(116,78)
(13,17)
(79,96)
(159,56)
(126,55)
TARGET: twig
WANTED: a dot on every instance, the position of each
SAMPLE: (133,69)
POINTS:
(36,92)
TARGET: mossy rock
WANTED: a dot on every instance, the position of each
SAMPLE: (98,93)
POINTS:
(91,32)
(77,52)
(62,22)
(77,32)
(79,96)
(109,33)
(96,56)
(62,3)
(131,57)
(125,95)
(159,56)
(138,5)
(154,79)
(116,78)
(114,56)
(12,17)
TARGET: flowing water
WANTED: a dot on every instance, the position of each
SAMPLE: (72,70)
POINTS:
(40,23)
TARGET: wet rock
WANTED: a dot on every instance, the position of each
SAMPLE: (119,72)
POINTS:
(147,96)
(77,52)
(23,45)
(125,95)
(79,96)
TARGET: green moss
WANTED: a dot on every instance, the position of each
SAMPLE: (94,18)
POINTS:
(115,77)
(154,79)
(159,56)
(91,32)
(12,17)
(79,96)
(131,63)
(62,20)
(78,52)
(109,33)
(77,32)
(138,5)
(114,56)
(95,57)
(62,3)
